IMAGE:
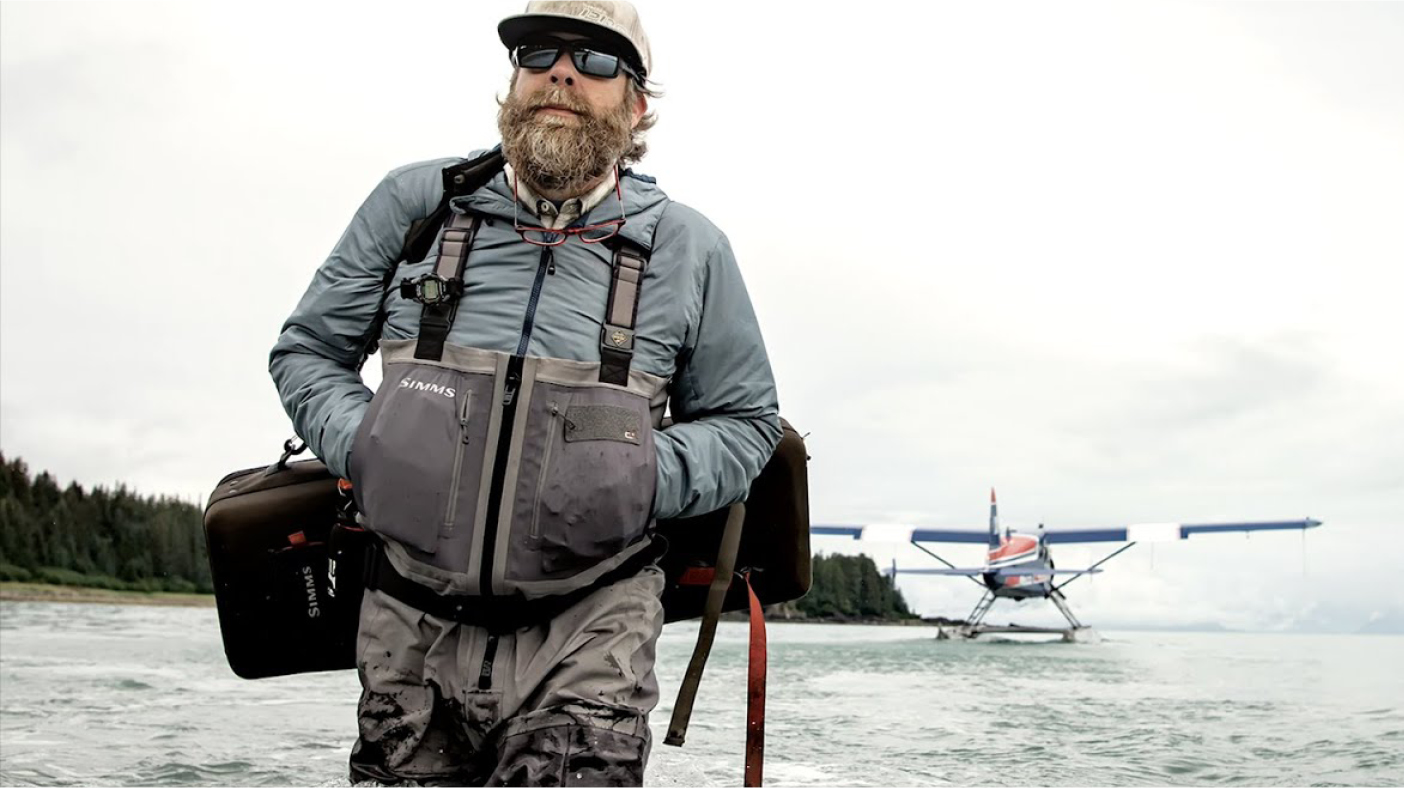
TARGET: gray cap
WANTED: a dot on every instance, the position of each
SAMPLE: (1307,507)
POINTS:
(615,23)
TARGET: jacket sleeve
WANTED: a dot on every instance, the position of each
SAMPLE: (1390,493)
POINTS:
(314,362)
(723,402)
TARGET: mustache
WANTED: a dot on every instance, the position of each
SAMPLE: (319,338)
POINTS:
(556,97)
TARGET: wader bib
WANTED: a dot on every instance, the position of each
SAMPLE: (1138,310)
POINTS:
(499,475)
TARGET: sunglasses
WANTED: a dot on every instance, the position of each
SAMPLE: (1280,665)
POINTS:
(587,59)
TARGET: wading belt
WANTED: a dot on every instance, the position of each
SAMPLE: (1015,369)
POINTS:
(499,614)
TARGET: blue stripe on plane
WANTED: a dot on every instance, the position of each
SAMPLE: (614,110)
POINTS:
(947,572)
(949,535)
(855,531)
(1214,528)
(1086,535)
(981,537)
(1032,572)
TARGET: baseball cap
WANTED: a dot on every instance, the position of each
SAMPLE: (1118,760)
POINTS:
(613,23)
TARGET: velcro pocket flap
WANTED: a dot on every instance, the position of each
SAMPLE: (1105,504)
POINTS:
(602,423)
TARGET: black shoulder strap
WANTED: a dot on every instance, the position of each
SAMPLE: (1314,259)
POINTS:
(461,179)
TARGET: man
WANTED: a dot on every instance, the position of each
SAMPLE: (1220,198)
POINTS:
(512,461)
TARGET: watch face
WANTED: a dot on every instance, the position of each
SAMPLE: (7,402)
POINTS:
(431,290)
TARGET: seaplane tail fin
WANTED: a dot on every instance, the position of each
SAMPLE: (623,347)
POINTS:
(994,521)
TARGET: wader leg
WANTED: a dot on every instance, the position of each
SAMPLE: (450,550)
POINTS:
(395,748)
(573,754)
(412,730)
(585,721)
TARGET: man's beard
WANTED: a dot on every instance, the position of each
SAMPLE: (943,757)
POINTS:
(554,156)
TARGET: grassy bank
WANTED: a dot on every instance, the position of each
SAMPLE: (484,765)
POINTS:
(48,592)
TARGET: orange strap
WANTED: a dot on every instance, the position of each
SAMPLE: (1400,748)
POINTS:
(755,693)
(697,576)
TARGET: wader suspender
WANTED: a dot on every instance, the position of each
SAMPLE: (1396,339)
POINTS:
(437,317)
(617,333)
(463,178)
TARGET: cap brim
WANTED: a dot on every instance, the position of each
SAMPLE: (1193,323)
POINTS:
(514,29)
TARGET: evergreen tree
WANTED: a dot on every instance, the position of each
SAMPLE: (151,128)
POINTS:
(108,538)
(845,587)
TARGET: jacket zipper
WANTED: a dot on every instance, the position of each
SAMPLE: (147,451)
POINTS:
(458,461)
(509,416)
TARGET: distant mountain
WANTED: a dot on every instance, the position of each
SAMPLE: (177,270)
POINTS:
(1390,622)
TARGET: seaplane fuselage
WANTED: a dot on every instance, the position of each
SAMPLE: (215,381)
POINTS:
(1019,567)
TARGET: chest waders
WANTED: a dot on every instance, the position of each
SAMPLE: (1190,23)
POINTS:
(509,485)
(290,563)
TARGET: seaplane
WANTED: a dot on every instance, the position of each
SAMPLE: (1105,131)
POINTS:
(1020,566)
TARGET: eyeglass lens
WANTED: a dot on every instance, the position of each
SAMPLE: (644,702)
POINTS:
(592,234)
(587,61)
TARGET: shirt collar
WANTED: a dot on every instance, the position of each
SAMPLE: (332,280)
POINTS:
(547,213)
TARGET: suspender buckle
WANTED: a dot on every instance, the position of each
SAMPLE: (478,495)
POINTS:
(431,289)
(616,338)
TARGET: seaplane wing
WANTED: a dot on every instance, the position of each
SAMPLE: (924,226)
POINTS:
(1138,532)
(1169,532)
(901,533)
(1031,572)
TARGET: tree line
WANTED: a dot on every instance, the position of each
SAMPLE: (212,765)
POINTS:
(849,587)
(106,538)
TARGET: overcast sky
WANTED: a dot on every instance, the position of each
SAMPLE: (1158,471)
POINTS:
(1123,262)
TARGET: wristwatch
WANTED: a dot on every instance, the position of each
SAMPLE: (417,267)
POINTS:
(431,289)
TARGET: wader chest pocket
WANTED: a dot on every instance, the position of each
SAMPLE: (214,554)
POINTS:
(603,423)
(419,453)
(591,495)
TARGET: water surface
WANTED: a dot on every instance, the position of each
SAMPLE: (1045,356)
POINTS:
(128,695)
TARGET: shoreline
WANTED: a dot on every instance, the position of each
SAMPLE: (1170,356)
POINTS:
(11,591)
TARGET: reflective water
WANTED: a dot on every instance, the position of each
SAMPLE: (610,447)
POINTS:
(142,696)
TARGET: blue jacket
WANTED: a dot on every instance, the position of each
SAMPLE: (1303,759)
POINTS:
(695,328)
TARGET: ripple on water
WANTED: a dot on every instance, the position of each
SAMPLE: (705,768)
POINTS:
(179,773)
(1179,766)
(36,776)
